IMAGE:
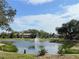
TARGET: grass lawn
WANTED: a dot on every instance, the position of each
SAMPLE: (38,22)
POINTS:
(66,56)
(76,46)
(6,55)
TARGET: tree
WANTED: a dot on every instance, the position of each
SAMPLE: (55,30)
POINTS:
(6,14)
(34,32)
(70,30)
(4,35)
(43,34)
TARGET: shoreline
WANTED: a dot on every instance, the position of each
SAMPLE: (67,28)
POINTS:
(51,40)
(65,56)
(29,56)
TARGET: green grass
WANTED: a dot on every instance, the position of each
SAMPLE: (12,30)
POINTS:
(59,40)
(69,48)
(8,48)
(17,39)
(72,51)
(6,55)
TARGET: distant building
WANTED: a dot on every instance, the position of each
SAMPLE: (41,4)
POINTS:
(25,35)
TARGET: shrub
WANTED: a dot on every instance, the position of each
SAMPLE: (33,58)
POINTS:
(42,51)
(57,40)
(9,48)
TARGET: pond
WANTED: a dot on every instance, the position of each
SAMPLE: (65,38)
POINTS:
(51,48)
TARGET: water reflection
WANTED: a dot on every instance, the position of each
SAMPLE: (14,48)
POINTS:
(51,48)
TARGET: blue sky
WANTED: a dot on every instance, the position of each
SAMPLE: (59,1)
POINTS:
(43,14)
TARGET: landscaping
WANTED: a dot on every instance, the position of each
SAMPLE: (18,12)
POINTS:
(7,55)
(41,29)
(8,47)
(58,40)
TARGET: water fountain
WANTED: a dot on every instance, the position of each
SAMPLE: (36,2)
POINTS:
(37,43)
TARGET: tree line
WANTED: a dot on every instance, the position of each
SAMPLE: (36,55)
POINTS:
(33,33)
(69,31)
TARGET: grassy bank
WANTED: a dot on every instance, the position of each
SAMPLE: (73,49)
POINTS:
(59,40)
(66,56)
(8,47)
(6,55)
(30,39)
(69,48)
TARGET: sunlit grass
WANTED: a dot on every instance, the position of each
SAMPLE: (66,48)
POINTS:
(6,55)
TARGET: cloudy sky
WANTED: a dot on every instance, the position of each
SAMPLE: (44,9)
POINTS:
(43,14)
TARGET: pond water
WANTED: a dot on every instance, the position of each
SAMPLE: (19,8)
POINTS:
(51,48)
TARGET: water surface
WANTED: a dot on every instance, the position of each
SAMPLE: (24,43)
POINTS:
(51,48)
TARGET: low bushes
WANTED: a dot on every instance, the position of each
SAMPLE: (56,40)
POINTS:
(58,40)
(8,48)
(42,51)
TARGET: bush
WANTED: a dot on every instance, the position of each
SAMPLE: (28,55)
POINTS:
(59,40)
(61,51)
(42,51)
(9,48)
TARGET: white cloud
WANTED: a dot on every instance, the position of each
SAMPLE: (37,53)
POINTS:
(37,1)
(72,10)
(47,22)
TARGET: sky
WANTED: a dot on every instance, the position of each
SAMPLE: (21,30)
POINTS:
(43,14)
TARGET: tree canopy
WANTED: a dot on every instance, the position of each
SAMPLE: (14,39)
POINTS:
(70,30)
(41,33)
(6,14)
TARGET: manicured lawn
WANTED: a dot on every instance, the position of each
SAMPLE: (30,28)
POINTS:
(6,55)
(66,56)
(69,48)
